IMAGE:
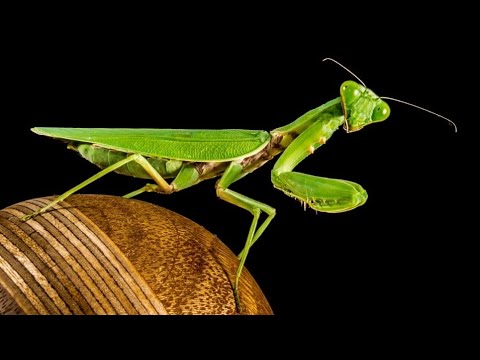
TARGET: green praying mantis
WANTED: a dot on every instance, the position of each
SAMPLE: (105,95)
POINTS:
(191,156)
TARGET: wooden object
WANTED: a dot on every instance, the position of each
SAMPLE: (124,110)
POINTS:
(99,254)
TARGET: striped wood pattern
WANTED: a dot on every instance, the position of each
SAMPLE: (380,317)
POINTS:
(188,270)
(62,263)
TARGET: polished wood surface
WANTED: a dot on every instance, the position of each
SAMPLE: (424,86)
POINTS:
(99,254)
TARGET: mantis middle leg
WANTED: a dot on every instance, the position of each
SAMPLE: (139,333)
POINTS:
(232,174)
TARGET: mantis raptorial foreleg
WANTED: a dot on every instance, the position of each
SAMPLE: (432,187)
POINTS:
(162,185)
(319,193)
(232,174)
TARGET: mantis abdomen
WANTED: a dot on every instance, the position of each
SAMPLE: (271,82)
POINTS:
(103,158)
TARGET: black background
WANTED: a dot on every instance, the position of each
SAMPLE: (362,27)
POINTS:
(402,252)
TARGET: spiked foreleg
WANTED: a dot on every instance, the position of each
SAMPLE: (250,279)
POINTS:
(322,194)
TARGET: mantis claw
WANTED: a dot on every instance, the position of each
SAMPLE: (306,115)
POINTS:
(238,303)
(29,216)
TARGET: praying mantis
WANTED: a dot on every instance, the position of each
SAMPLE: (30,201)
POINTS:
(191,156)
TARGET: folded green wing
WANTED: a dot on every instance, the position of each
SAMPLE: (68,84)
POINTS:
(189,145)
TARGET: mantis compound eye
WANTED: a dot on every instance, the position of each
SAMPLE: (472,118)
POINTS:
(381,111)
(351,91)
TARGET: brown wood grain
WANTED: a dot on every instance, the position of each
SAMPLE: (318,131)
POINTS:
(99,254)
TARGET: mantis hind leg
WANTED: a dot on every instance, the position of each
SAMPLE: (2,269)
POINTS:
(187,176)
(160,182)
(255,207)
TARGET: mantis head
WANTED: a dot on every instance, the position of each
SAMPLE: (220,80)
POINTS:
(361,106)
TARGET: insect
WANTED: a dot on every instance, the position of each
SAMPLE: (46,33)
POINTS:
(191,156)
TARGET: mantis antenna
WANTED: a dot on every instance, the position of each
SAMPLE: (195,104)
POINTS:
(393,99)
(421,108)
(345,68)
